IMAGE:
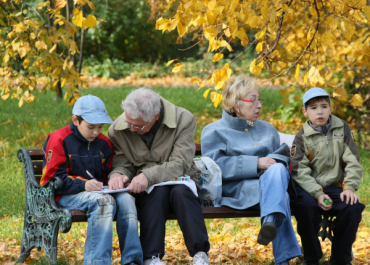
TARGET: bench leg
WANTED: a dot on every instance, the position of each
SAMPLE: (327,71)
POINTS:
(28,242)
(43,235)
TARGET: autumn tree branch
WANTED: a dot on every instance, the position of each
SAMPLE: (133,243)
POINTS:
(278,34)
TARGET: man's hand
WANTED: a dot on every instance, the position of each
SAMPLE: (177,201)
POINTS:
(322,204)
(265,162)
(93,184)
(138,183)
(351,197)
(117,181)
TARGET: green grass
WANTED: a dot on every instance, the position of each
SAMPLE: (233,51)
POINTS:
(29,126)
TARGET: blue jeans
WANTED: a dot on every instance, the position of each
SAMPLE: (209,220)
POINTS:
(100,210)
(274,198)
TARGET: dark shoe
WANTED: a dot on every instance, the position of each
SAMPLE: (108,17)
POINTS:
(267,233)
(310,262)
(333,262)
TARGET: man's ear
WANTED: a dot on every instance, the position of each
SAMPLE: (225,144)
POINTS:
(156,117)
(75,120)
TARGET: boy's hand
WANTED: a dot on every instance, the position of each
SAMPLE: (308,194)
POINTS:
(351,197)
(322,204)
(265,162)
(93,184)
(138,183)
(117,181)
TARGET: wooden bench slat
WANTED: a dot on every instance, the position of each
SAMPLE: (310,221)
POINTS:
(37,168)
(208,213)
(36,153)
(198,150)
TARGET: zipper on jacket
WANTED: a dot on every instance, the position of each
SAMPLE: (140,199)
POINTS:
(329,154)
(88,146)
(328,160)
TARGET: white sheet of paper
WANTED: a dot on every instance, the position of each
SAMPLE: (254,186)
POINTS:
(107,190)
(189,182)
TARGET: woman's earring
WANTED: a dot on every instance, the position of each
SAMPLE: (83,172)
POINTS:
(238,111)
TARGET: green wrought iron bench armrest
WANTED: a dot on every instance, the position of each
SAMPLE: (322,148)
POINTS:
(42,218)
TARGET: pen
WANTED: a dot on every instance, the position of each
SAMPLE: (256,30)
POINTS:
(90,175)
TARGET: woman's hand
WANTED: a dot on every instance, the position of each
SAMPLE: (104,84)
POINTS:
(265,162)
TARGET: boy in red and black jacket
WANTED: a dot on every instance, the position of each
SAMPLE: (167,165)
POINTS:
(70,153)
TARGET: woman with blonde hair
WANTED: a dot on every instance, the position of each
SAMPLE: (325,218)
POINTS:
(254,165)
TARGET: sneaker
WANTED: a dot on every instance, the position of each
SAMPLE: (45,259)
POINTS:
(154,261)
(200,258)
(267,233)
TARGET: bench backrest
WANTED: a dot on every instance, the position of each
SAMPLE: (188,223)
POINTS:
(37,154)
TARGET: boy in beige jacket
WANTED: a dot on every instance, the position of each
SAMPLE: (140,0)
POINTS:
(327,170)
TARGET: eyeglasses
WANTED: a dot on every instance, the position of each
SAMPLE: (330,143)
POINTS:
(255,102)
(136,127)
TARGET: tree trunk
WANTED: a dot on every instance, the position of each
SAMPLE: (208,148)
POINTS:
(59,94)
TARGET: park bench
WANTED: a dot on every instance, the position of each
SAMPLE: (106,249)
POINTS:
(43,218)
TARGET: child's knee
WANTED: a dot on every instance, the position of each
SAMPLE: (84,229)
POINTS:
(126,202)
(103,203)
(355,210)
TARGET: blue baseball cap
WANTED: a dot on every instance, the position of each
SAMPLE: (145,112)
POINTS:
(314,93)
(91,109)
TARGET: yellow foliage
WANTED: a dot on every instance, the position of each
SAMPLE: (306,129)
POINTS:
(78,18)
(259,47)
(341,94)
(327,38)
(297,72)
(205,94)
(366,10)
(216,98)
(313,77)
(357,100)
(19,27)
(89,22)
(169,62)
(210,33)
(34,44)
(256,69)
(41,45)
(177,68)
(217,57)
(287,91)
(181,29)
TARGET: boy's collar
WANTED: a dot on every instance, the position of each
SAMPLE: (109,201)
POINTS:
(335,123)
(321,129)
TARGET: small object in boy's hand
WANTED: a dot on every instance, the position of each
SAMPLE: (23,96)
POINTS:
(90,175)
(327,202)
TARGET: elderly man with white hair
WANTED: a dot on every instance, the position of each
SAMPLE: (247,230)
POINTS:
(153,142)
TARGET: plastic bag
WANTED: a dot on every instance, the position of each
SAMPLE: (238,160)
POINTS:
(210,182)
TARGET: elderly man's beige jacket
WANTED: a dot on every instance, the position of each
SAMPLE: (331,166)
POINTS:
(172,151)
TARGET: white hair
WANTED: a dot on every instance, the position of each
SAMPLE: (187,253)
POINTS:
(142,103)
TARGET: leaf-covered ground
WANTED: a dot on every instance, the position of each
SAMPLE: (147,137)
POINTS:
(232,242)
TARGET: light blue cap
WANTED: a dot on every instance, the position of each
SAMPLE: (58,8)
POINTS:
(91,109)
(314,93)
